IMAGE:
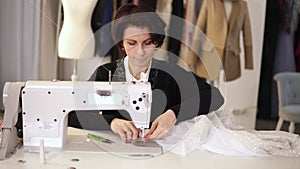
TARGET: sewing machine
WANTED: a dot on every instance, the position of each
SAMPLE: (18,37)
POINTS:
(39,92)
(45,105)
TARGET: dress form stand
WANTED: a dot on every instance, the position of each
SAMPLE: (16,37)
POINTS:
(76,39)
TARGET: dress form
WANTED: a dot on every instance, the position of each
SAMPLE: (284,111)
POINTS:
(76,39)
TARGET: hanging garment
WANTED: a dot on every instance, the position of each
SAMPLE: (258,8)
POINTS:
(297,53)
(107,41)
(217,132)
(164,9)
(149,3)
(225,38)
(269,46)
(175,31)
(284,56)
(171,10)
(191,13)
(97,16)
(164,6)
(297,42)
(284,60)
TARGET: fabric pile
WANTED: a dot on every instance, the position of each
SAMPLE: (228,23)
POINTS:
(217,132)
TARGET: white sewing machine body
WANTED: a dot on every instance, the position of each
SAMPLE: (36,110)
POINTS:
(45,106)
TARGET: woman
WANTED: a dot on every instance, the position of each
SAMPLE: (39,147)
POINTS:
(177,94)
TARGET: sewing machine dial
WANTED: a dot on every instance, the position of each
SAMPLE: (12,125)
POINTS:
(143,100)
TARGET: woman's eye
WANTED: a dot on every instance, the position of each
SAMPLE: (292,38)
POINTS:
(131,43)
(148,42)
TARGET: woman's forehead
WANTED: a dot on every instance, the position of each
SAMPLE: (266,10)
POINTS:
(136,32)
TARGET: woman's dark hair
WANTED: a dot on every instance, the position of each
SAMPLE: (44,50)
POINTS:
(140,16)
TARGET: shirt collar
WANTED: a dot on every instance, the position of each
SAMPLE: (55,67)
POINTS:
(130,77)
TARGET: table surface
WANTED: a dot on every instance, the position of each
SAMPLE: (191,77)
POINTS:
(196,159)
(63,160)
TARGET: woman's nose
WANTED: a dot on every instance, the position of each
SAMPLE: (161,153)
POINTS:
(141,50)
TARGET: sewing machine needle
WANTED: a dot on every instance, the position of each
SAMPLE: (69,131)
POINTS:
(143,133)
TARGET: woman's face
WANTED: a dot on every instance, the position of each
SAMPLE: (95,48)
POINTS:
(138,46)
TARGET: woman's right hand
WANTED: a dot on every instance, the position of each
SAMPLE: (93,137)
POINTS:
(126,129)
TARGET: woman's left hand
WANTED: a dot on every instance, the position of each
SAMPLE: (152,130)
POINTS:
(162,126)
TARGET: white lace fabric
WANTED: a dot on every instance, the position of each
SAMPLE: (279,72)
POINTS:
(218,133)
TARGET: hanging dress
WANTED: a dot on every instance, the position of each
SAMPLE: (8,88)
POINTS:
(284,60)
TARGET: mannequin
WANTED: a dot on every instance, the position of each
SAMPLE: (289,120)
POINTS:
(76,39)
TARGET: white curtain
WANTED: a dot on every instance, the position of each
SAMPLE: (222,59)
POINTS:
(28,31)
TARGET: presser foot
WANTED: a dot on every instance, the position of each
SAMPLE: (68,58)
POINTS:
(143,142)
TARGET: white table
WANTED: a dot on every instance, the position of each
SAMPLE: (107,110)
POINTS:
(62,160)
(105,160)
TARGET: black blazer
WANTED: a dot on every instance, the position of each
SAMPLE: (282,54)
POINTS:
(172,88)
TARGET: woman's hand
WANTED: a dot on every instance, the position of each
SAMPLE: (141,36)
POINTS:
(162,126)
(126,129)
